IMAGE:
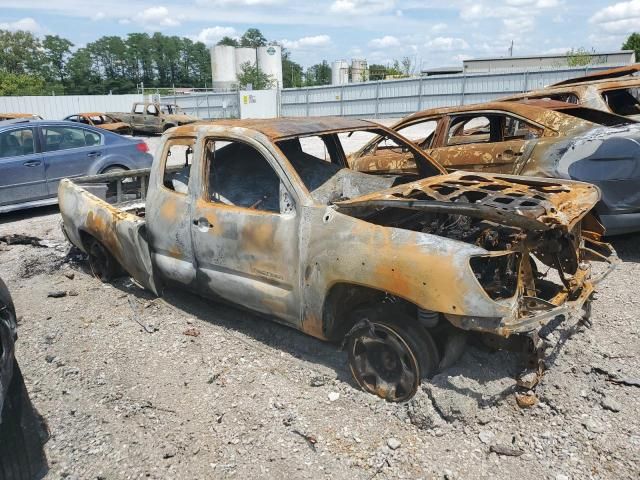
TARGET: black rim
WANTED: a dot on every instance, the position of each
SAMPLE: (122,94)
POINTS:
(383,364)
(99,261)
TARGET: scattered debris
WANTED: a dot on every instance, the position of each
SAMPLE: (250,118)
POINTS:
(393,443)
(610,404)
(593,426)
(317,381)
(486,436)
(506,451)
(191,332)
(527,379)
(333,396)
(18,239)
(526,400)
(73,293)
(311,440)
(617,378)
(57,294)
(134,307)
(69,274)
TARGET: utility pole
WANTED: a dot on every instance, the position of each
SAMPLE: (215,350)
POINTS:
(511,49)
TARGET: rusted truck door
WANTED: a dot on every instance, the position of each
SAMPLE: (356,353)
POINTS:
(245,231)
(487,142)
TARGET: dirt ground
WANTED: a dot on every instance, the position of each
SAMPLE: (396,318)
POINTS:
(137,387)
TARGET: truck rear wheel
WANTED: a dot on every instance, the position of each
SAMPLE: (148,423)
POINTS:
(388,356)
(103,265)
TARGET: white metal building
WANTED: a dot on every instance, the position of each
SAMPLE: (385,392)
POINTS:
(544,62)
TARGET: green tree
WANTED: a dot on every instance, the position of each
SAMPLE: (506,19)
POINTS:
(229,41)
(57,51)
(318,74)
(253,38)
(82,77)
(251,75)
(579,57)
(377,72)
(21,84)
(633,43)
(20,52)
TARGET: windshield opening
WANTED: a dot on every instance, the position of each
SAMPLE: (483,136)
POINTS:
(321,163)
(597,116)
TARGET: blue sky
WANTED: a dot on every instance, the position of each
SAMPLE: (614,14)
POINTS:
(432,33)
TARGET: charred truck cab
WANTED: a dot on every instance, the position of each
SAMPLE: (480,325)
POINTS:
(266,214)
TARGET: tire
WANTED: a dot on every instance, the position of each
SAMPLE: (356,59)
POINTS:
(103,265)
(23,434)
(388,354)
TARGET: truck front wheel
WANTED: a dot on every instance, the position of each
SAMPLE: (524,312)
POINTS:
(103,265)
(388,356)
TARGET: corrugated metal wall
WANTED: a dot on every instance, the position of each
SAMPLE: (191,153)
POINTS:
(58,107)
(394,98)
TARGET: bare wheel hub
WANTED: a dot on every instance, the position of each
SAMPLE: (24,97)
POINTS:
(383,364)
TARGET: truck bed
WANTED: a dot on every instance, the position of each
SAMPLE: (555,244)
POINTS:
(110,209)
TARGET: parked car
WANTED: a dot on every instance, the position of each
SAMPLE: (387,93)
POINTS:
(540,138)
(13,116)
(101,120)
(265,214)
(22,431)
(36,155)
(615,91)
(152,117)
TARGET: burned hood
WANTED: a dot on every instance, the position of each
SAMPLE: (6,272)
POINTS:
(179,118)
(529,203)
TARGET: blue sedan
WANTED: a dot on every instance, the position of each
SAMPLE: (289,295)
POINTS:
(36,154)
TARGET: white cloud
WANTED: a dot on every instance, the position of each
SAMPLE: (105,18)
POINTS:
(317,41)
(210,36)
(519,24)
(621,18)
(446,44)
(28,24)
(384,42)
(155,18)
(98,16)
(361,7)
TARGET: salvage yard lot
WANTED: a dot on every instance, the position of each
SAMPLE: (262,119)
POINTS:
(135,387)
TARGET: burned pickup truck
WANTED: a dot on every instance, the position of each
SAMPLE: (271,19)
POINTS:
(265,214)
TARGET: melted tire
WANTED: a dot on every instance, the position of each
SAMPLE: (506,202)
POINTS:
(103,265)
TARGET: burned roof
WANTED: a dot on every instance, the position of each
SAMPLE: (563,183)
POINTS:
(604,75)
(278,128)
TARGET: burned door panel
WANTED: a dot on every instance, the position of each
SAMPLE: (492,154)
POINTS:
(245,240)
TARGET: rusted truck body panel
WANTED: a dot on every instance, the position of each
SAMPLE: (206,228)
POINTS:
(534,138)
(151,117)
(616,91)
(309,257)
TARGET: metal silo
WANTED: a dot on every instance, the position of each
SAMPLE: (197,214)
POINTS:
(244,55)
(223,66)
(270,62)
(358,70)
(340,72)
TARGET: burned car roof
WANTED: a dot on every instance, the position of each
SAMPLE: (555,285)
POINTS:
(288,127)
(604,75)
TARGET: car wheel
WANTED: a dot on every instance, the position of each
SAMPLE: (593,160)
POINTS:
(103,265)
(388,356)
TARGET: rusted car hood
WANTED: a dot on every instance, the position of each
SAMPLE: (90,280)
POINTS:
(526,202)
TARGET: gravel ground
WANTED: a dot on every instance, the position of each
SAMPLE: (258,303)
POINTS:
(137,387)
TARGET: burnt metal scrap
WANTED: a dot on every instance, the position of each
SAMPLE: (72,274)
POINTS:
(533,138)
(242,211)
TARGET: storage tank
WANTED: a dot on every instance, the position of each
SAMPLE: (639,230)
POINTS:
(244,55)
(358,71)
(340,72)
(270,62)
(223,66)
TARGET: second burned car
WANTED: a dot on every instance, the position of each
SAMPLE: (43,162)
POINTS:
(265,214)
(541,138)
